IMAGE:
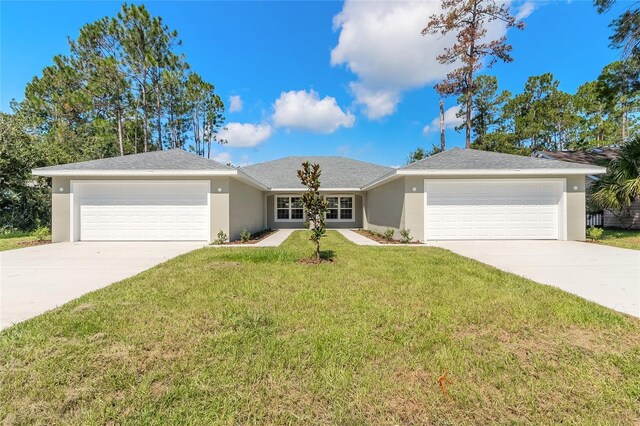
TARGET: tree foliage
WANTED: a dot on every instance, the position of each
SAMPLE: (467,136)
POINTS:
(315,206)
(626,27)
(467,20)
(620,187)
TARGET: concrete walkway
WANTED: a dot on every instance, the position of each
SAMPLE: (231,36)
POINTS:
(34,280)
(275,239)
(606,275)
(358,239)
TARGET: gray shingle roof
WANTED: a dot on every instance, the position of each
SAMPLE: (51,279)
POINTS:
(172,159)
(473,159)
(337,172)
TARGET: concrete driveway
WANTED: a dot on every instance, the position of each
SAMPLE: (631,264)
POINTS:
(606,275)
(36,279)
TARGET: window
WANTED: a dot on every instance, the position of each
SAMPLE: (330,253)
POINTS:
(289,209)
(340,208)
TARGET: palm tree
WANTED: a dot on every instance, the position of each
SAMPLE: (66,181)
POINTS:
(620,187)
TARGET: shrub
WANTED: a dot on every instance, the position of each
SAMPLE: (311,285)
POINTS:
(388,234)
(222,238)
(405,236)
(245,235)
(42,233)
(594,233)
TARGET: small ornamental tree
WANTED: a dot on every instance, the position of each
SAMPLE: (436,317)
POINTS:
(314,205)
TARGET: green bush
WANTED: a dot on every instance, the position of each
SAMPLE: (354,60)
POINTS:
(594,234)
(388,234)
(42,233)
(222,238)
(405,236)
(245,235)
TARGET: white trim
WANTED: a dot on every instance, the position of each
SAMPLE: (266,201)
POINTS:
(209,213)
(562,204)
(275,209)
(108,173)
(353,207)
(302,190)
(512,172)
(73,227)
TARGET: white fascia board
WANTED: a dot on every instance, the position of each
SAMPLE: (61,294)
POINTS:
(241,176)
(512,172)
(108,173)
(321,189)
(381,181)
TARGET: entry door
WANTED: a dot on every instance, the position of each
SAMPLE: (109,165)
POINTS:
(142,211)
(493,209)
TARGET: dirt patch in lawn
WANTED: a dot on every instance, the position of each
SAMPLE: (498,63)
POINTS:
(33,243)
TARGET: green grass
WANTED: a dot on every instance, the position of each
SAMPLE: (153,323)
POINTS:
(250,335)
(15,240)
(621,238)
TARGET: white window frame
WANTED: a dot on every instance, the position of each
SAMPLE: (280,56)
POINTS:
(275,208)
(353,207)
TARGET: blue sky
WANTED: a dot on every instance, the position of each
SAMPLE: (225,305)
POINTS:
(319,78)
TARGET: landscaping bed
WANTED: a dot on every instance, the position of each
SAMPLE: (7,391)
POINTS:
(254,238)
(380,238)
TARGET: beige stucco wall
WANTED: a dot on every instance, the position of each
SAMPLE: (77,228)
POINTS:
(60,203)
(245,209)
(357,213)
(576,208)
(385,207)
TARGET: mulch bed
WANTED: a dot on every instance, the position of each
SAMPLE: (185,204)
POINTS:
(375,237)
(258,236)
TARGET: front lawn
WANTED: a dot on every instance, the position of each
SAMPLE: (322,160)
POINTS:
(621,238)
(251,335)
(17,240)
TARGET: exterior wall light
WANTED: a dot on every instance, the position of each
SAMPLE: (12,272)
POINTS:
(575,188)
(414,189)
(61,189)
(219,189)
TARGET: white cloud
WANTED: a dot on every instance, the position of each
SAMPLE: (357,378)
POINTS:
(525,10)
(380,42)
(235,103)
(245,134)
(222,157)
(305,110)
(451,120)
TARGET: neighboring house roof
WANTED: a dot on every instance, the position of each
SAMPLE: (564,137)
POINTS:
(168,160)
(337,172)
(596,156)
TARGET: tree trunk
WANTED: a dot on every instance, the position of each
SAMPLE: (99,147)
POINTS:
(145,122)
(318,251)
(159,119)
(442,141)
(120,137)
(624,124)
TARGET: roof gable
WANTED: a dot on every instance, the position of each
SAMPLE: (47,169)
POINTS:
(337,172)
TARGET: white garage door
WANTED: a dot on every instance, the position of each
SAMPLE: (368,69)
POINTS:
(141,211)
(493,209)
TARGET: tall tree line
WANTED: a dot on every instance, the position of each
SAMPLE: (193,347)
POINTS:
(123,88)
(543,117)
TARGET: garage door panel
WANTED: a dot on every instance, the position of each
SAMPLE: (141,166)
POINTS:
(143,211)
(465,209)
